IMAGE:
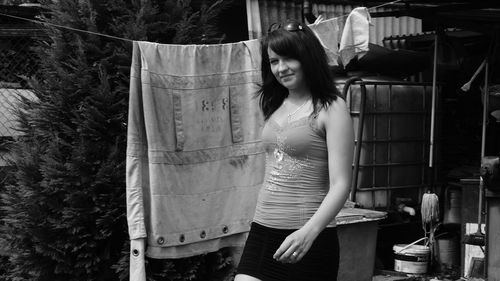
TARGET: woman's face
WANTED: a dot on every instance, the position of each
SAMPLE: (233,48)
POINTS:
(288,71)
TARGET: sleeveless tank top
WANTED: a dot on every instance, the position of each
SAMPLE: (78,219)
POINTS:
(296,177)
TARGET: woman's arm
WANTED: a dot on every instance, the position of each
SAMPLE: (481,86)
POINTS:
(340,143)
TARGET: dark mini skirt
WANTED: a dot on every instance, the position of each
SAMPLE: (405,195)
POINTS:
(321,262)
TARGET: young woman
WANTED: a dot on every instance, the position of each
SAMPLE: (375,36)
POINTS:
(308,137)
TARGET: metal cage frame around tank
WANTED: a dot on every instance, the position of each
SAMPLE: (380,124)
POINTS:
(364,107)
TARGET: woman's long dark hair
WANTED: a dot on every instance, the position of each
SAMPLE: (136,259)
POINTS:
(302,45)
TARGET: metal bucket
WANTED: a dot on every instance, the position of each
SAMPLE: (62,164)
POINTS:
(448,252)
(452,206)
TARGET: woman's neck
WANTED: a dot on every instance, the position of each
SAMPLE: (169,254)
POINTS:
(298,96)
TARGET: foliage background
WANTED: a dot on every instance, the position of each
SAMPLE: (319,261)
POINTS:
(63,201)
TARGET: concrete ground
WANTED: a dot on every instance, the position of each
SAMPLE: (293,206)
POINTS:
(386,278)
(406,278)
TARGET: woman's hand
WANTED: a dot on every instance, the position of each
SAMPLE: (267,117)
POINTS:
(295,246)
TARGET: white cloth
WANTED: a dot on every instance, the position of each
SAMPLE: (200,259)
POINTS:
(328,33)
(195,162)
(137,271)
(355,36)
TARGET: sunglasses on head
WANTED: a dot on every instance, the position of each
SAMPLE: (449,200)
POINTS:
(288,26)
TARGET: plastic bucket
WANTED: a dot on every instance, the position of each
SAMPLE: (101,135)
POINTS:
(411,258)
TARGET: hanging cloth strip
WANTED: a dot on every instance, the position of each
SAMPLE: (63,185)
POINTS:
(355,35)
(328,33)
(195,162)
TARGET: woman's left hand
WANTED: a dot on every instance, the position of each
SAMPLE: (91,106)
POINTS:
(295,246)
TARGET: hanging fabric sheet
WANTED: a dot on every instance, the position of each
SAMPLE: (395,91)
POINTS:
(194,158)
(355,35)
(328,33)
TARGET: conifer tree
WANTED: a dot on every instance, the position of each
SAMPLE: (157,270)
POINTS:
(64,215)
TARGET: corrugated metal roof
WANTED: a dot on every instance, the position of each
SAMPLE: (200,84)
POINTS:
(481,15)
(262,13)
(380,28)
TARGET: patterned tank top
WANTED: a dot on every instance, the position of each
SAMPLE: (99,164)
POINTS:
(296,177)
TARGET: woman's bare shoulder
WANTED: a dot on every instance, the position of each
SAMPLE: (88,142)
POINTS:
(337,109)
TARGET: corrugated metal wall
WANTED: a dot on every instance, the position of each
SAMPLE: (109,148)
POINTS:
(261,13)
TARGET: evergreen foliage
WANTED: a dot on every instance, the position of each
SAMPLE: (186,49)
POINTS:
(63,209)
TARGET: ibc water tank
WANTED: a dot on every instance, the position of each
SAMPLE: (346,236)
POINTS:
(394,148)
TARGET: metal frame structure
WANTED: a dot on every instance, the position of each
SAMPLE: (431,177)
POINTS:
(365,106)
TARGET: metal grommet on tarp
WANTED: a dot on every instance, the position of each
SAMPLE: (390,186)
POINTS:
(203,234)
(182,238)
(160,240)
(137,270)
(225,229)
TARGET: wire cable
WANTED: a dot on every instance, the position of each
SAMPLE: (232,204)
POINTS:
(129,40)
(67,27)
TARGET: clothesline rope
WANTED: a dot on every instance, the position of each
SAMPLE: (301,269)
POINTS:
(385,4)
(129,40)
(67,27)
(371,8)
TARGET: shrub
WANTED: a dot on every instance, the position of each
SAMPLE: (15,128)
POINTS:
(64,214)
